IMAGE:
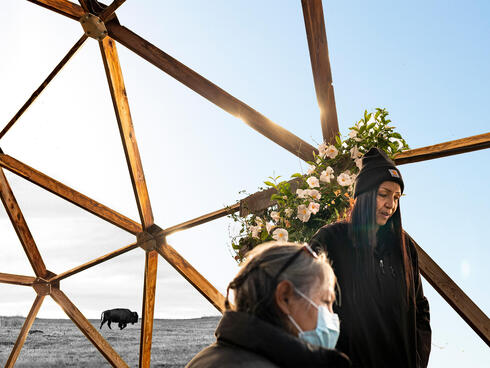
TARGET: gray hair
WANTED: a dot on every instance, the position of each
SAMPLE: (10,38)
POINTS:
(255,284)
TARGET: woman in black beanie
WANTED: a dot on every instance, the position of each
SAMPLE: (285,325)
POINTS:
(383,311)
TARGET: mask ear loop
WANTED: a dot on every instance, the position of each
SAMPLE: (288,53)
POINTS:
(307,298)
(295,324)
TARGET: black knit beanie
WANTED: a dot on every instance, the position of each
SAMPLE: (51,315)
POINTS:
(377,167)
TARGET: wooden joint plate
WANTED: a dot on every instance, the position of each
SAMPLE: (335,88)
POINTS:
(42,286)
(93,26)
(151,238)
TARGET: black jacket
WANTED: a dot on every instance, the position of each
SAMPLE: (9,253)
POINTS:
(243,340)
(380,326)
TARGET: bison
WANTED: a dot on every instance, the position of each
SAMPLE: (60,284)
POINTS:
(122,316)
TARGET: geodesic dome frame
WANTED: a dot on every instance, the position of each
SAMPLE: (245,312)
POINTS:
(100,22)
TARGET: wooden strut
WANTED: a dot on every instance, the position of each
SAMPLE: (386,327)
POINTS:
(463,145)
(63,7)
(92,263)
(211,92)
(320,65)
(121,106)
(20,225)
(454,296)
(44,84)
(86,327)
(24,330)
(68,194)
(8,278)
(260,201)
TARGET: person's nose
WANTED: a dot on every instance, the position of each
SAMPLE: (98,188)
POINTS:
(390,203)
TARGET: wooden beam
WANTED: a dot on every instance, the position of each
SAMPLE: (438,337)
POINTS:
(94,262)
(211,92)
(86,327)
(454,296)
(320,65)
(121,106)
(44,84)
(202,219)
(20,225)
(151,265)
(469,144)
(84,5)
(63,7)
(259,201)
(24,330)
(107,12)
(69,194)
(123,115)
(8,278)
(192,275)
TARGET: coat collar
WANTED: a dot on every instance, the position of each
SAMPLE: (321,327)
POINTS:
(253,334)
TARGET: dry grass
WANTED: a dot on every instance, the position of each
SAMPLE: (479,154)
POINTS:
(59,343)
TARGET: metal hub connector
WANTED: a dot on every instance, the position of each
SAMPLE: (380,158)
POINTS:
(93,26)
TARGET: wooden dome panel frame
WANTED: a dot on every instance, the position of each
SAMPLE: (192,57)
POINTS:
(149,236)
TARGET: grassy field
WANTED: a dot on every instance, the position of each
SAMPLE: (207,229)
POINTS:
(59,343)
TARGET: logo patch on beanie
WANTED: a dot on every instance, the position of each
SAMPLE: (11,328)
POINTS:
(394,173)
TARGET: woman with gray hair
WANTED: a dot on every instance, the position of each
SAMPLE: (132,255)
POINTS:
(282,313)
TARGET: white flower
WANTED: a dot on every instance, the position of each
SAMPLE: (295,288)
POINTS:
(269,226)
(352,133)
(301,193)
(313,207)
(288,212)
(344,179)
(303,213)
(311,170)
(280,235)
(358,163)
(275,216)
(313,182)
(332,151)
(259,222)
(354,153)
(322,150)
(255,231)
(314,194)
(327,174)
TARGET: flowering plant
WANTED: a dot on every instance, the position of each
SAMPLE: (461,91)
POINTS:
(324,194)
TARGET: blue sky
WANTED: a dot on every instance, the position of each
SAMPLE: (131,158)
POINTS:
(426,62)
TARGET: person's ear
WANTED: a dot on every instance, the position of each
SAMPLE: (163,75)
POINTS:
(284,296)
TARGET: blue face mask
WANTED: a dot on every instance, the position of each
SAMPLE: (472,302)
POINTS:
(327,328)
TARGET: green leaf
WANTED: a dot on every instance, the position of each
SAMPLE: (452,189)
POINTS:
(264,234)
(296,175)
(275,197)
(270,184)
